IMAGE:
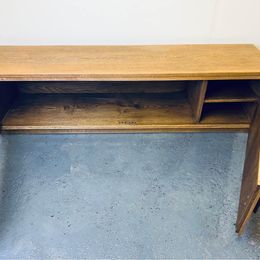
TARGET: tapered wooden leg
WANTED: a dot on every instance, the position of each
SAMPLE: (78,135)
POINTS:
(250,188)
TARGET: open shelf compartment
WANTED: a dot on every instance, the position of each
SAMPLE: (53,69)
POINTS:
(232,113)
(48,111)
(229,91)
(235,98)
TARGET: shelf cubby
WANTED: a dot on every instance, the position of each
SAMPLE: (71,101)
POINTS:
(234,100)
(228,113)
(229,91)
(59,107)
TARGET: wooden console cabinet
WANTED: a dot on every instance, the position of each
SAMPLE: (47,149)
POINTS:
(182,88)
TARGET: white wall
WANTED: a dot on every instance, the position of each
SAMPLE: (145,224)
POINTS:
(129,21)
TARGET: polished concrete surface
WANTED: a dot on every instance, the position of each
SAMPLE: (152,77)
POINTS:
(123,196)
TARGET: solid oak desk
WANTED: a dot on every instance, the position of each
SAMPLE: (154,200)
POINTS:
(182,88)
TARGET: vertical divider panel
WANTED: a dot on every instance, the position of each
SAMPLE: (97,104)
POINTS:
(256,87)
(8,92)
(250,108)
(196,94)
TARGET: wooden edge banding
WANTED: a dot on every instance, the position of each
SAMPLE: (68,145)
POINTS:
(130,77)
(258,183)
(121,131)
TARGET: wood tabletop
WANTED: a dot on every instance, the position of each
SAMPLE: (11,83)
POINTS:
(123,63)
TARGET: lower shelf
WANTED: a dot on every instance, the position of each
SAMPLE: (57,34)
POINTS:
(76,113)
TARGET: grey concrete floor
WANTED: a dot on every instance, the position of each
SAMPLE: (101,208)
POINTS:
(123,196)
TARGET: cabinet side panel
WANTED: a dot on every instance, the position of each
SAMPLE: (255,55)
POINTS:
(250,189)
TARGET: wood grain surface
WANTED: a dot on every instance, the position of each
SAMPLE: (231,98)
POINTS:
(119,63)
(250,189)
(117,113)
(196,94)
